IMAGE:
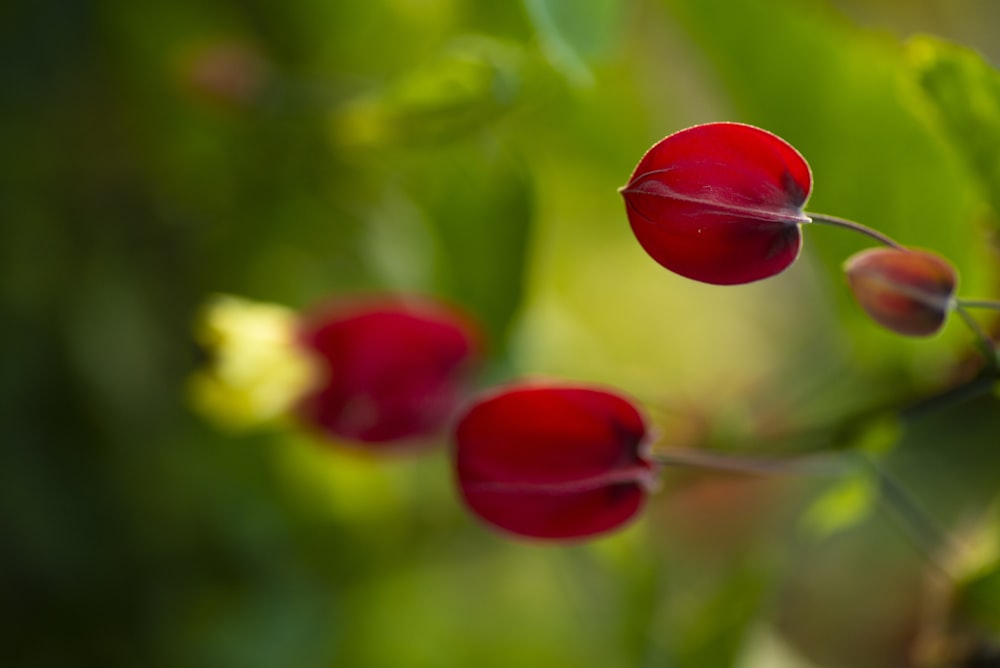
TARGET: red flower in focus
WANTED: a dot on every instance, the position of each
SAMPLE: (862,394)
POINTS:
(720,203)
(905,290)
(393,369)
(553,462)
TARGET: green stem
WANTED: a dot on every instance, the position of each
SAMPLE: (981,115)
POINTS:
(983,341)
(925,534)
(953,396)
(979,303)
(856,227)
(822,465)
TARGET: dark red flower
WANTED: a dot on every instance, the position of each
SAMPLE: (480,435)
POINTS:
(720,203)
(553,462)
(905,290)
(393,369)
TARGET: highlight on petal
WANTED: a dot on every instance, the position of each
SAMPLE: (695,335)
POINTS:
(905,290)
(394,369)
(556,462)
(720,203)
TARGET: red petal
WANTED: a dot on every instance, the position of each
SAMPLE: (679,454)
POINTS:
(553,462)
(395,368)
(720,203)
(907,291)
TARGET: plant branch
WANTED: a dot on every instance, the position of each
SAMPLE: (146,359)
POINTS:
(835,221)
(814,464)
(953,396)
(925,534)
(979,303)
(983,341)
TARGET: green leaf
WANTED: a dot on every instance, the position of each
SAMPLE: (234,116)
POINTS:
(479,205)
(471,83)
(962,92)
(876,436)
(842,506)
(573,33)
(978,600)
(706,615)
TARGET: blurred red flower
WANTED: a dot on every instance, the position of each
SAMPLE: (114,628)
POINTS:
(392,369)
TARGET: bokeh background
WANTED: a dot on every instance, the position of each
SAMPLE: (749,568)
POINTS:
(155,153)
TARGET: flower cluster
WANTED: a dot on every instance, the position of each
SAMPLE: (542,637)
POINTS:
(721,203)
(724,203)
(382,373)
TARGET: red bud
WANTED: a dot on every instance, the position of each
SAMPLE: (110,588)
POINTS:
(394,369)
(720,203)
(907,291)
(553,462)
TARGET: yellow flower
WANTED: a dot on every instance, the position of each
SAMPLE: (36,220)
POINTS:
(256,371)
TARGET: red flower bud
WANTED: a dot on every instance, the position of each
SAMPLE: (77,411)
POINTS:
(720,203)
(907,291)
(393,369)
(553,462)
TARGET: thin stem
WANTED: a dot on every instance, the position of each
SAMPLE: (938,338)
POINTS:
(954,396)
(979,303)
(857,227)
(983,341)
(925,534)
(824,464)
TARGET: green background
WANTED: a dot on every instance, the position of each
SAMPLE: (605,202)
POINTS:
(472,150)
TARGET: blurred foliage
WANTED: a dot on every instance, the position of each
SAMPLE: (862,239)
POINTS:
(157,153)
(963,92)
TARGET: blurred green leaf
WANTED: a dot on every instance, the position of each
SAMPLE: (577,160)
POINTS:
(480,204)
(468,85)
(947,460)
(880,437)
(963,93)
(575,33)
(845,504)
(978,600)
(705,614)
(875,436)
